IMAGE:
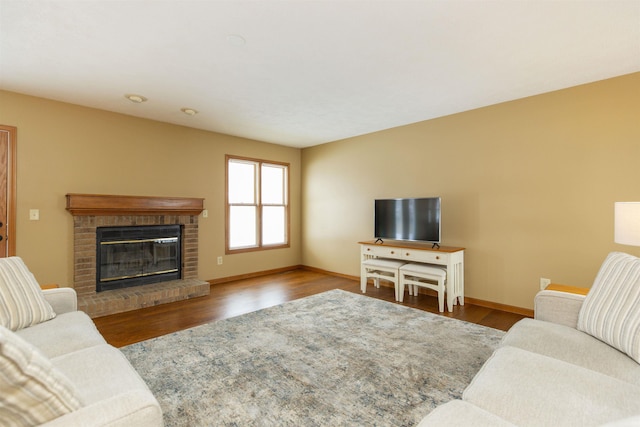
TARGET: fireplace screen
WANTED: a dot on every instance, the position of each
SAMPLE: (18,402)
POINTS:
(133,256)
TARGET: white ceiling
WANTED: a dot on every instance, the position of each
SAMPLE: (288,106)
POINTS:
(310,72)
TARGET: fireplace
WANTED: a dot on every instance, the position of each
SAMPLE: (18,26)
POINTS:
(135,256)
(114,214)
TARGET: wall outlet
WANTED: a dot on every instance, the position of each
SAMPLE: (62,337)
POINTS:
(34,214)
(544,283)
(219,260)
(205,214)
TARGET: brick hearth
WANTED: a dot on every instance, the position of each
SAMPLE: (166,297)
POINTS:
(97,304)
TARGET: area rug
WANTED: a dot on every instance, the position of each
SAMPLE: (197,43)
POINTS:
(332,359)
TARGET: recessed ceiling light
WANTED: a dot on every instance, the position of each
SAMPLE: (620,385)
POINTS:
(189,111)
(236,40)
(135,98)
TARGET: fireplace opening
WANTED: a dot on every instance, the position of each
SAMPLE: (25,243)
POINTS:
(137,255)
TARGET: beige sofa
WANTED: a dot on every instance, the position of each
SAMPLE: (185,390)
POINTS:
(575,364)
(90,380)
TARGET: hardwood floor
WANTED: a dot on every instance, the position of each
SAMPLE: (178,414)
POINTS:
(244,296)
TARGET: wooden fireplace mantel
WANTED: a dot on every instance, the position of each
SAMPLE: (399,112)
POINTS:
(98,204)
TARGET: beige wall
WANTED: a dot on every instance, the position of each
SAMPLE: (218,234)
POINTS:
(527,187)
(64,148)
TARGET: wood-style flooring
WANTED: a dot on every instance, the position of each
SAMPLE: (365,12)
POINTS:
(247,295)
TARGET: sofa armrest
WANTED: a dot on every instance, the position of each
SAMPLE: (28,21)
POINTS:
(558,307)
(63,300)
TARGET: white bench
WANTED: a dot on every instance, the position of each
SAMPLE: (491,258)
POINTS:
(380,269)
(426,276)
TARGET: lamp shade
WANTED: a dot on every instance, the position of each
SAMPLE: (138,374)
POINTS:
(627,223)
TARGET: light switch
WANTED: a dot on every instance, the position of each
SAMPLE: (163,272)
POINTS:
(34,214)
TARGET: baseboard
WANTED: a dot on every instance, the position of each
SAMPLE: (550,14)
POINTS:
(330,273)
(254,274)
(474,301)
(497,306)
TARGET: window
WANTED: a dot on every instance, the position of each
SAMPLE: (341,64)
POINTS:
(257,205)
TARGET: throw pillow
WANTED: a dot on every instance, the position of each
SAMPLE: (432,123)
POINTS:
(22,303)
(611,309)
(32,390)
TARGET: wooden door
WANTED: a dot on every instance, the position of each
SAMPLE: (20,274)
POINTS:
(7,190)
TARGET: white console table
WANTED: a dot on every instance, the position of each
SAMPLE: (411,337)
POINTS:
(450,257)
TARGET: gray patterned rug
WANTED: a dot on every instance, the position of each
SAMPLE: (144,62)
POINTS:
(332,359)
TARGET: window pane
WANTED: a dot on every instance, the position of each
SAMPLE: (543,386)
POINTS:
(273,185)
(242,181)
(273,225)
(242,227)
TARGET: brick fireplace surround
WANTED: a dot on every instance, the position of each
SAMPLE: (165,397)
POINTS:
(92,211)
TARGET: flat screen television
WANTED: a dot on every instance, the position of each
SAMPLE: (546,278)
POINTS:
(416,219)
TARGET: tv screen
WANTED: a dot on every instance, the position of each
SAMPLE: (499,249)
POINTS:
(416,219)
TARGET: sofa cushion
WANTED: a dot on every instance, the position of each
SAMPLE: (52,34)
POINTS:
(573,346)
(611,310)
(33,391)
(66,333)
(135,408)
(527,388)
(458,413)
(21,301)
(625,422)
(99,372)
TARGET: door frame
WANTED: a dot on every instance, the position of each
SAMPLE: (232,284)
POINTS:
(11,187)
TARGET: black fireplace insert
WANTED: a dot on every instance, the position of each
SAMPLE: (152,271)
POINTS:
(137,255)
